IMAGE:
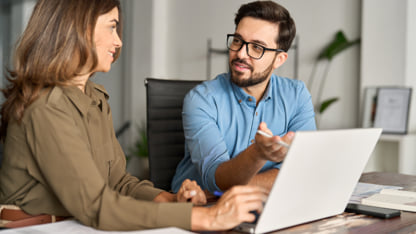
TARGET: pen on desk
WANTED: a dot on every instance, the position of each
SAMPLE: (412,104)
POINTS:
(218,193)
(282,143)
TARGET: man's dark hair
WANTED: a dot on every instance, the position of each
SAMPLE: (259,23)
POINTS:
(274,13)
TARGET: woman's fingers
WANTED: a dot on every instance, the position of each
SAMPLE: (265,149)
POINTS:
(237,204)
(191,191)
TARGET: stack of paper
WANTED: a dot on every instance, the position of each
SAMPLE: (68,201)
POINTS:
(393,199)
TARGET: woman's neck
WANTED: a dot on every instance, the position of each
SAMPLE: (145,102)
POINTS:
(81,81)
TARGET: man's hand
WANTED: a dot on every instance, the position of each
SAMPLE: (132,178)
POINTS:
(269,147)
(245,167)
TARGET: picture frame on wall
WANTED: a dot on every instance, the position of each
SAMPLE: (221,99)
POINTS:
(387,108)
(369,110)
(392,109)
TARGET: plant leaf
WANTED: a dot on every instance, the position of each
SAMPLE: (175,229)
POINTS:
(339,44)
(140,148)
(325,104)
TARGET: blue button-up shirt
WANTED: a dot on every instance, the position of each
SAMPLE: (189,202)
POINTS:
(220,121)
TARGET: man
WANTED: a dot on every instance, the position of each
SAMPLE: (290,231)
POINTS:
(221,117)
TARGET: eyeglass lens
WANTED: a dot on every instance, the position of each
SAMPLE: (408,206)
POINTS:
(253,50)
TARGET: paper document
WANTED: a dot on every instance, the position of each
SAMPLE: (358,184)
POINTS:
(364,190)
(72,226)
(393,199)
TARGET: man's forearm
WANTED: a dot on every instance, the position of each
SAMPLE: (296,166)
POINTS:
(239,170)
(265,179)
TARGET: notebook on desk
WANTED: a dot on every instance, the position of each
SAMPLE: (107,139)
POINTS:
(317,177)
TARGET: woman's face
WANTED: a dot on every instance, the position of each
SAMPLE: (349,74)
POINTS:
(106,39)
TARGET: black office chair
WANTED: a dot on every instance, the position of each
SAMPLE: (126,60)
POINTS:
(1,153)
(164,127)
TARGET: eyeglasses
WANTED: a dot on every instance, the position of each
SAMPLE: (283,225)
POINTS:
(255,51)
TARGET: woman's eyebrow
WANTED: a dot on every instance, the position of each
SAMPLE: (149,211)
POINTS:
(116,21)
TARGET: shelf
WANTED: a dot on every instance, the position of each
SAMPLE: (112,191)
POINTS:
(396,153)
(395,137)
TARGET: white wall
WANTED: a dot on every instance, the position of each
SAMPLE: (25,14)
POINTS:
(388,58)
(168,39)
(181,29)
(317,21)
(14,17)
(137,61)
(389,53)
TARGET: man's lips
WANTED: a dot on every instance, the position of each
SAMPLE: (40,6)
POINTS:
(241,65)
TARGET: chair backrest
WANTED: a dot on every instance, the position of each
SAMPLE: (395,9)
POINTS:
(1,153)
(165,136)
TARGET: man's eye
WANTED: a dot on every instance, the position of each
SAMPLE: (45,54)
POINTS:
(237,41)
(257,47)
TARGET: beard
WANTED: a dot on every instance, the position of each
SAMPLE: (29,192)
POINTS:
(256,78)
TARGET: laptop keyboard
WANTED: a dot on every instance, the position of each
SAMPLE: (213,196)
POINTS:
(257,216)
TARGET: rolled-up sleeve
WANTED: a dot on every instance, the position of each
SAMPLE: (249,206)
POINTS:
(204,140)
(303,117)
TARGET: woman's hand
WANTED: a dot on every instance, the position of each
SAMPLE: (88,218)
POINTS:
(231,209)
(190,191)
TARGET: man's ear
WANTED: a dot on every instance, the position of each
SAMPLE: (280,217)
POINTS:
(280,59)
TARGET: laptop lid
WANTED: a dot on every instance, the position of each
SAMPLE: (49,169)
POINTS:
(317,177)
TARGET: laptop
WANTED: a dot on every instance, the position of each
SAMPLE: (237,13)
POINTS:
(317,177)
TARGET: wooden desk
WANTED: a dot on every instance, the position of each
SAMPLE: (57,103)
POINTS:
(352,223)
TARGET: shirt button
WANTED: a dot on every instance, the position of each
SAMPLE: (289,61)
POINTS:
(239,101)
(252,141)
(249,99)
(257,113)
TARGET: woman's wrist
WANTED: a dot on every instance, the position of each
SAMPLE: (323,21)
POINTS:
(202,218)
(165,197)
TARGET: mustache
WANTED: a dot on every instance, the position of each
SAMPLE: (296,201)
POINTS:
(242,61)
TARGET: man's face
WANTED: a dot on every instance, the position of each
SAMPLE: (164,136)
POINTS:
(246,71)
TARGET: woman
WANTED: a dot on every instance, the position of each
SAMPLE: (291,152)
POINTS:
(61,157)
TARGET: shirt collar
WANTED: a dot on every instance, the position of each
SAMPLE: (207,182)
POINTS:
(93,96)
(241,95)
(269,90)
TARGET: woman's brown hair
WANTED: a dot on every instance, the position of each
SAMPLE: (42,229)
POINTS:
(57,45)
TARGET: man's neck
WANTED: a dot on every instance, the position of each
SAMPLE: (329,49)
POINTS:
(257,91)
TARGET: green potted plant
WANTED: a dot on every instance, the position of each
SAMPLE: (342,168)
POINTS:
(140,146)
(336,46)
(137,159)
